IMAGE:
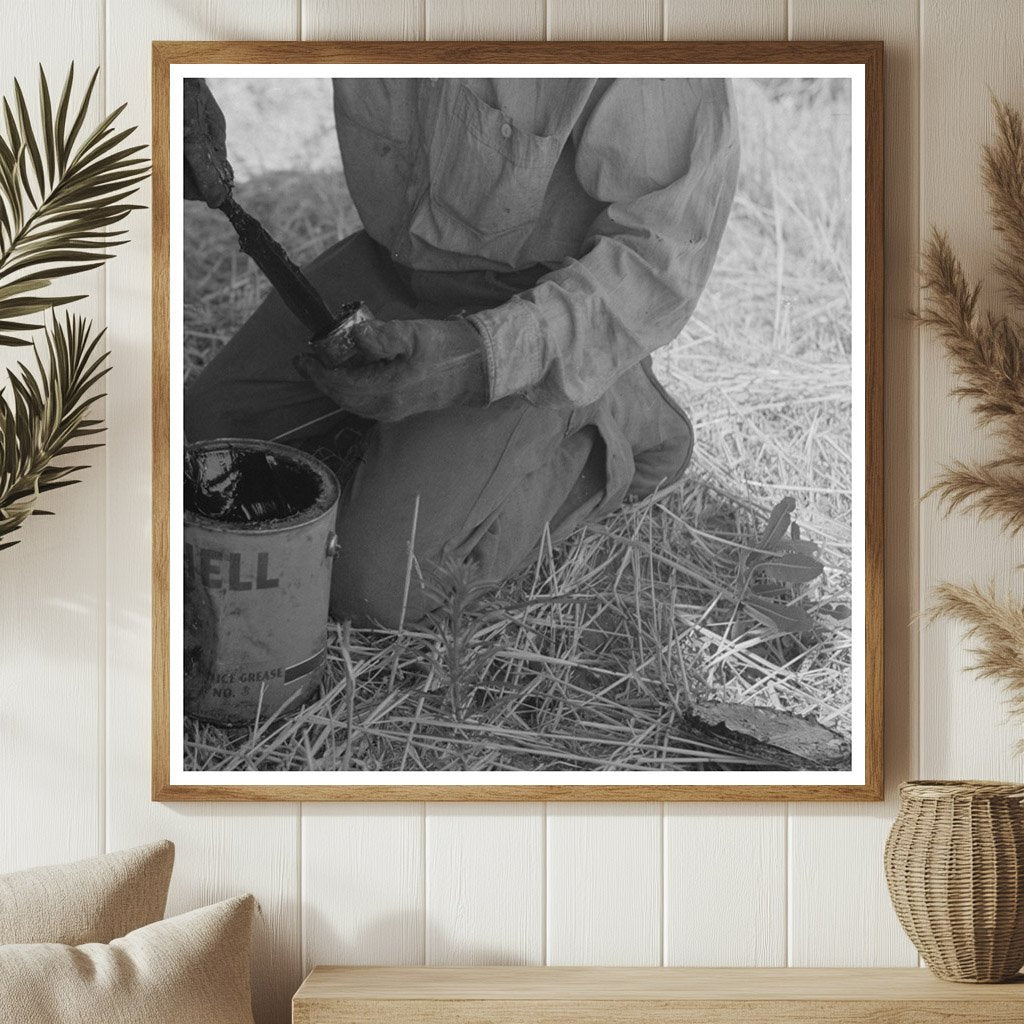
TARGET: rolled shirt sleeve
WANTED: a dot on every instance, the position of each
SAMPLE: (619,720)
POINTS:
(664,155)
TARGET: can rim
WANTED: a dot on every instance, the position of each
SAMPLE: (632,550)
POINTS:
(330,490)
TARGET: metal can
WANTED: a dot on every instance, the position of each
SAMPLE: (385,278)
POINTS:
(257,585)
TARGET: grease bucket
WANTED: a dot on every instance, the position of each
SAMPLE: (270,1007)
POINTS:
(257,578)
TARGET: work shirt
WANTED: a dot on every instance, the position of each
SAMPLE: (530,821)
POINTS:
(618,188)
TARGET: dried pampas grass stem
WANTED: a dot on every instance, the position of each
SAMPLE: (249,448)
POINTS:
(995,626)
(987,354)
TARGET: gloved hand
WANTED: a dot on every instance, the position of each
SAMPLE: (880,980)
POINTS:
(403,367)
(208,174)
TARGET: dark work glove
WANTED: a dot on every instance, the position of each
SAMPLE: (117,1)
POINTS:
(403,367)
(208,175)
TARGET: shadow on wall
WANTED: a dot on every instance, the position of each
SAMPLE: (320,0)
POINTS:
(397,939)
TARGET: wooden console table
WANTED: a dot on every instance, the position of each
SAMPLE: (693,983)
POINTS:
(637,995)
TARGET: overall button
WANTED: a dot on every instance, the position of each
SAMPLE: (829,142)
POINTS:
(506,130)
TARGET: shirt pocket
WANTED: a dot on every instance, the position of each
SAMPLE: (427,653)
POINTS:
(487,176)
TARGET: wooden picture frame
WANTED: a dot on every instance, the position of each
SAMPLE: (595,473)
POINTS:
(168,784)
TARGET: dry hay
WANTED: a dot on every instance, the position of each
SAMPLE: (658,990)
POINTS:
(587,660)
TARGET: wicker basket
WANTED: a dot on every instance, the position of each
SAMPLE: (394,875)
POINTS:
(954,861)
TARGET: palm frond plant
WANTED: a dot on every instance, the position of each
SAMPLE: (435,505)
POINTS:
(47,417)
(986,351)
(63,191)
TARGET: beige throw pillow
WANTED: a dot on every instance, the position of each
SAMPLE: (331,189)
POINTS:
(190,969)
(92,900)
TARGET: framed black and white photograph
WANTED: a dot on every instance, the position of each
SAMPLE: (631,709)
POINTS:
(517,421)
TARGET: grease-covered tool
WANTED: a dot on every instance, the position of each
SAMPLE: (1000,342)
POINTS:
(328,330)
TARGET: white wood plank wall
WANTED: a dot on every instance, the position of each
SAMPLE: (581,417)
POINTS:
(731,884)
